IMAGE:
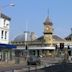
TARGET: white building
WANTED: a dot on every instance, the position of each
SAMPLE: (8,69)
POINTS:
(4,29)
(5,48)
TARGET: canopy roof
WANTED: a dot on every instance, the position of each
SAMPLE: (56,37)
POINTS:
(10,46)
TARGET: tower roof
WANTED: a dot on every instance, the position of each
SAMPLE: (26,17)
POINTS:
(48,21)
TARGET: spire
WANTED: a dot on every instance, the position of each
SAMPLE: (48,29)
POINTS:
(48,21)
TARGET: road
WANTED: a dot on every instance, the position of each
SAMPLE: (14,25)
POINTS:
(22,68)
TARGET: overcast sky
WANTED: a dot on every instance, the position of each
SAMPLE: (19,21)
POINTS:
(33,13)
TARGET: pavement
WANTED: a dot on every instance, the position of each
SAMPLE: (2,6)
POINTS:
(11,63)
(44,61)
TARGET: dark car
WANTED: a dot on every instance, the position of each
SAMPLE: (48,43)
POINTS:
(33,60)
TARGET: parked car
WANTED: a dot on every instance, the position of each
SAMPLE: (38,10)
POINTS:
(33,60)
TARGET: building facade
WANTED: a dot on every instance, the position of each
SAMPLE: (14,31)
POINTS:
(5,47)
(41,46)
(4,29)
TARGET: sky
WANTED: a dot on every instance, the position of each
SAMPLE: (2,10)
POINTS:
(32,13)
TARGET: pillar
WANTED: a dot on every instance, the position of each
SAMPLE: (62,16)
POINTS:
(3,55)
(36,54)
(40,53)
(10,54)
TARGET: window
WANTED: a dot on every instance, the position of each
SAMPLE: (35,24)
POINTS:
(4,21)
(7,24)
(5,34)
(2,34)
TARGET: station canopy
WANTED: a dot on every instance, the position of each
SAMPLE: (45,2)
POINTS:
(10,46)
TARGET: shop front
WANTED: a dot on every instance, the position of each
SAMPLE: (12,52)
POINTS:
(6,52)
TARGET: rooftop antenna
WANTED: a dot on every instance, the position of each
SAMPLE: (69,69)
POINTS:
(26,26)
(71,30)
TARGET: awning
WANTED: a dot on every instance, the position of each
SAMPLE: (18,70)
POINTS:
(35,48)
(7,46)
(40,48)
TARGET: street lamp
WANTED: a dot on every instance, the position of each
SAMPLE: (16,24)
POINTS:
(12,4)
(1,7)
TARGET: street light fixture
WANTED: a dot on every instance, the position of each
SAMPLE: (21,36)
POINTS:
(1,7)
(12,4)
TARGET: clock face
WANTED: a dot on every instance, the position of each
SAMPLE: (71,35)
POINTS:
(47,28)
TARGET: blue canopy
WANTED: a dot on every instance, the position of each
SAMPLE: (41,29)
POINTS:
(7,46)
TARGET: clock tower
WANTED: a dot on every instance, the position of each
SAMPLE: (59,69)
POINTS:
(48,31)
